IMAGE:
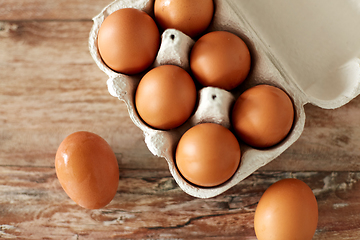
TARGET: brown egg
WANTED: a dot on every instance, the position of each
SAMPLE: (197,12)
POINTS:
(208,155)
(128,41)
(87,169)
(220,59)
(189,16)
(263,116)
(166,97)
(287,210)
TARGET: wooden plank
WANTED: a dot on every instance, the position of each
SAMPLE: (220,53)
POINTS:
(16,10)
(52,88)
(149,204)
(330,141)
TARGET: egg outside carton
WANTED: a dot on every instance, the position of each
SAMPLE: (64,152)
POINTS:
(214,105)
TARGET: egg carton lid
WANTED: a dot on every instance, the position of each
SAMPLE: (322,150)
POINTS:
(314,44)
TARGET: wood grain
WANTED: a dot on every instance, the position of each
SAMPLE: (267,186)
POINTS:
(50,10)
(149,205)
(55,88)
(51,87)
(330,141)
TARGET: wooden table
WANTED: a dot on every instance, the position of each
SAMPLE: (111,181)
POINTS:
(51,87)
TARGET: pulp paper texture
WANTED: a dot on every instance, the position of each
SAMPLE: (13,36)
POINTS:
(310,49)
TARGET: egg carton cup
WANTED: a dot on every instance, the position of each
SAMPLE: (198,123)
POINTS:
(309,49)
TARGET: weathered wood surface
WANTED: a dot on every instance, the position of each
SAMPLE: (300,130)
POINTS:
(50,87)
(50,10)
(149,204)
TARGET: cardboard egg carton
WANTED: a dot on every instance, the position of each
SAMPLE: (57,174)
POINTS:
(310,49)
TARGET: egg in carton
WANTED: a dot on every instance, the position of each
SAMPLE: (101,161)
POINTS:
(310,56)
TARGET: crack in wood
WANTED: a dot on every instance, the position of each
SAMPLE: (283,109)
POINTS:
(4,234)
(190,221)
(186,223)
